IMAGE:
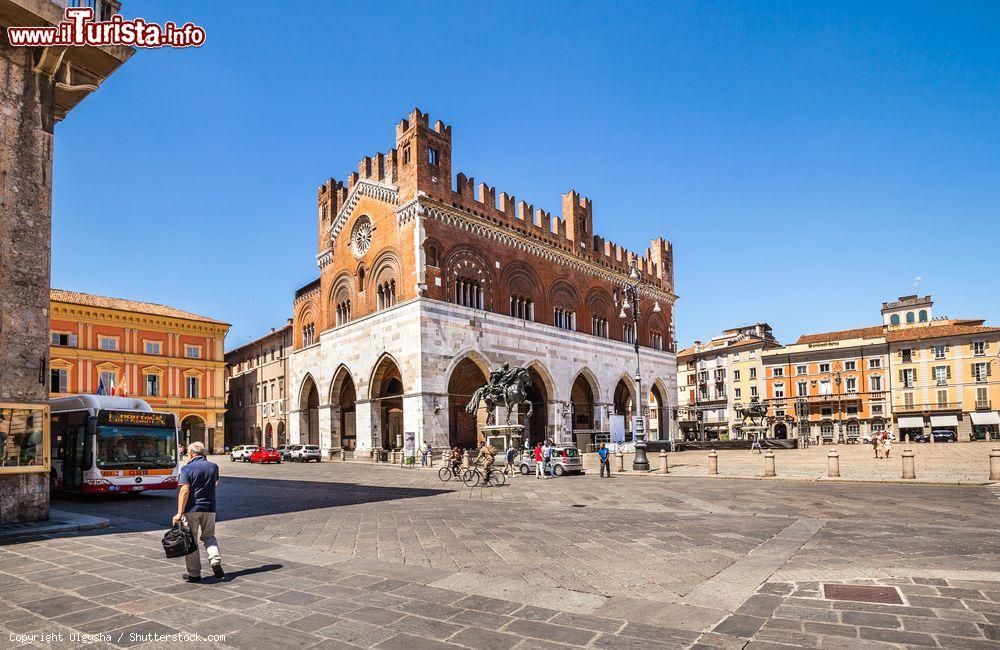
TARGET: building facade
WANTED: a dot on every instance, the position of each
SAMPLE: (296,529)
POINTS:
(716,379)
(424,288)
(170,358)
(38,88)
(913,374)
(257,401)
(944,371)
(830,387)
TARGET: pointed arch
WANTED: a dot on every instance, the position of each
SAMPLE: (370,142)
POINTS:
(591,378)
(543,372)
(304,387)
(340,376)
(383,369)
(473,355)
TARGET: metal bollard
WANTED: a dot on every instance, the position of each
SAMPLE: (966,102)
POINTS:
(995,464)
(343,454)
(619,461)
(713,463)
(465,459)
(769,463)
(909,465)
(663,462)
(833,464)
(395,457)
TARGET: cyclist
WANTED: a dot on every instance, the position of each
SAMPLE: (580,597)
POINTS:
(455,460)
(486,458)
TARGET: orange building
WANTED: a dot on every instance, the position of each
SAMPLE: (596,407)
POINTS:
(171,358)
(830,387)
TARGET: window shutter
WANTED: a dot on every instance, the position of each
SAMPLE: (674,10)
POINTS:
(902,377)
(949,371)
(988,373)
(72,340)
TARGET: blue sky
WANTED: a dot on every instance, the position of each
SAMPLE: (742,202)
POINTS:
(807,160)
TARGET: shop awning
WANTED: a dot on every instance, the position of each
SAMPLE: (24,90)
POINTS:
(989,417)
(944,420)
(911,422)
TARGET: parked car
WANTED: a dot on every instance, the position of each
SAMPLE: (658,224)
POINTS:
(306,453)
(565,459)
(940,435)
(265,456)
(284,450)
(242,452)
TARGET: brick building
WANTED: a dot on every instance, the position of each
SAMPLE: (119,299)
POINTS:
(424,286)
(170,358)
(39,86)
(256,397)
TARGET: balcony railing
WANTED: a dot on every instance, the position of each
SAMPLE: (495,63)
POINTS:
(984,405)
(935,406)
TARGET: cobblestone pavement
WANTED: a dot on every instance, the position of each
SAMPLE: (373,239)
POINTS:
(353,555)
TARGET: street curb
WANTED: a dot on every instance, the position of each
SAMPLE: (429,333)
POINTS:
(59,521)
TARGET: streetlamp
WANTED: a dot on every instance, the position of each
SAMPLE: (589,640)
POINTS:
(631,303)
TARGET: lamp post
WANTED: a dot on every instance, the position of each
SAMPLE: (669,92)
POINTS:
(631,304)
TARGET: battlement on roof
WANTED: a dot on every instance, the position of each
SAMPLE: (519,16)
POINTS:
(420,164)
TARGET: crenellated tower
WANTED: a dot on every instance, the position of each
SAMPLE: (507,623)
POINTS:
(424,157)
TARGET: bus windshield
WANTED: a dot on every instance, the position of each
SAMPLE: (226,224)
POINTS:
(136,447)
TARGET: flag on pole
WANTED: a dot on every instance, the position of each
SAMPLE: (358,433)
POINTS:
(123,387)
(112,392)
(100,386)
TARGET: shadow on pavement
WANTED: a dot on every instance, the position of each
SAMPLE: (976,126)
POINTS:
(239,498)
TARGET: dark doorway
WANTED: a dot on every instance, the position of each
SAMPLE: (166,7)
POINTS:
(463,428)
(538,426)
(309,413)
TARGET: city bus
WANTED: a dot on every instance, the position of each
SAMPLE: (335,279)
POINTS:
(105,444)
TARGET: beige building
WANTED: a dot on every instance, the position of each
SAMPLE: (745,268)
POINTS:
(716,378)
(256,397)
(944,371)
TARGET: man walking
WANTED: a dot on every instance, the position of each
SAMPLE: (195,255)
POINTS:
(603,453)
(423,454)
(510,461)
(546,457)
(196,505)
(539,461)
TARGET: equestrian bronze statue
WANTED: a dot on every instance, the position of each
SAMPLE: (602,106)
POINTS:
(506,387)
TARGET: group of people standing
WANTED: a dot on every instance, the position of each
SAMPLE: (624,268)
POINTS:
(882,441)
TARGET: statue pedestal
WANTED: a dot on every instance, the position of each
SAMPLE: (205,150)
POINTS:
(504,436)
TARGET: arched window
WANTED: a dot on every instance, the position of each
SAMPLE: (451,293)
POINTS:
(432,255)
(308,334)
(468,292)
(599,326)
(909,317)
(523,308)
(655,340)
(361,279)
(343,312)
(564,318)
(628,333)
(923,315)
(894,319)
(387,294)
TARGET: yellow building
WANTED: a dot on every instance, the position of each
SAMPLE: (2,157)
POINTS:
(944,372)
(171,358)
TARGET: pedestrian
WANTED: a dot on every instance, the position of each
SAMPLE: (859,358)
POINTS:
(510,461)
(756,443)
(539,461)
(888,444)
(526,452)
(547,457)
(196,507)
(430,453)
(603,454)
(423,454)
(875,444)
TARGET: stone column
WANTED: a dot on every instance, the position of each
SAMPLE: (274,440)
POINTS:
(365,426)
(833,464)
(909,466)
(325,433)
(713,463)
(769,463)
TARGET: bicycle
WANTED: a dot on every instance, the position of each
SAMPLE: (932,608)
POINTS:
(446,473)
(473,476)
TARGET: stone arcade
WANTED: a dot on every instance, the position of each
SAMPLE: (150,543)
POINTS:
(423,288)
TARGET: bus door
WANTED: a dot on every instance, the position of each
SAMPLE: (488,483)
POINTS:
(78,455)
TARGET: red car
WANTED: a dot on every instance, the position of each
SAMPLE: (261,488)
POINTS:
(265,456)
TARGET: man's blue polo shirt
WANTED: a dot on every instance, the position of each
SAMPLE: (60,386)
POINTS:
(201,474)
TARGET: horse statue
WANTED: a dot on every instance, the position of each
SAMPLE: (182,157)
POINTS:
(506,386)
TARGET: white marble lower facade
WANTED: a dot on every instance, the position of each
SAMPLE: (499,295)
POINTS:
(427,340)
